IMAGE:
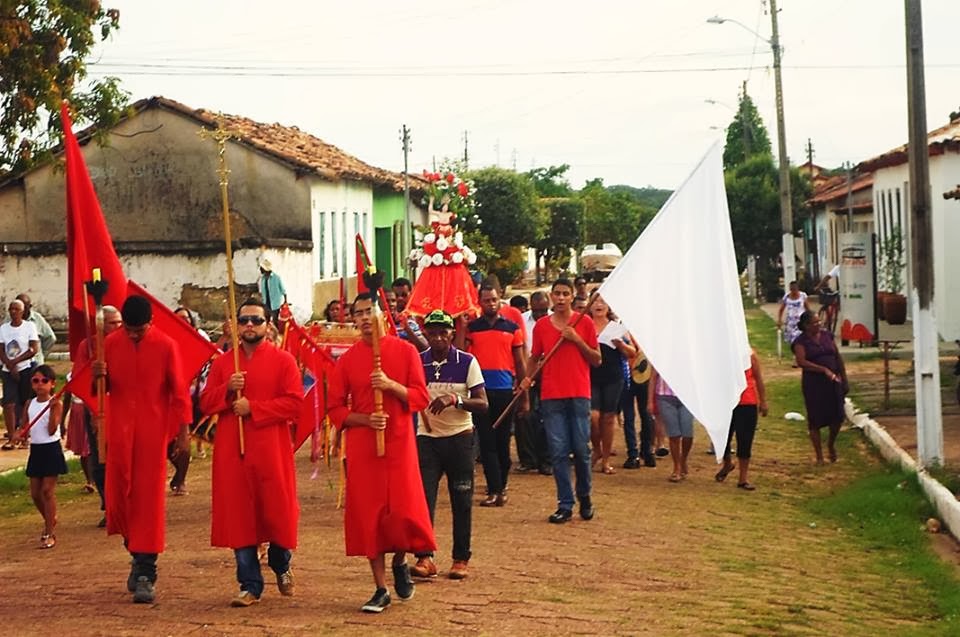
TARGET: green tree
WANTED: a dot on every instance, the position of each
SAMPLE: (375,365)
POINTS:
(43,49)
(551,182)
(564,233)
(511,217)
(612,216)
(746,135)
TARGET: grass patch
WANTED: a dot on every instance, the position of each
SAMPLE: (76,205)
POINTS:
(762,332)
(883,513)
(15,489)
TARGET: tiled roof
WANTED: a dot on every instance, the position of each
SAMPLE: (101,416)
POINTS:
(292,146)
(939,141)
(836,188)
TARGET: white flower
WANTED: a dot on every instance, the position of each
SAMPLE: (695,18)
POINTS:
(417,235)
(429,237)
(425,261)
(458,239)
(437,259)
(471,258)
(479,221)
(415,254)
(457,257)
(442,243)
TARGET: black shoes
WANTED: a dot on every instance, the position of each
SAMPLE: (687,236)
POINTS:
(650,461)
(143,591)
(586,508)
(402,582)
(560,516)
(632,463)
(378,603)
(546,470)
(663,452)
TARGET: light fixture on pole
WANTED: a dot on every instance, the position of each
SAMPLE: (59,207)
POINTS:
(786,208)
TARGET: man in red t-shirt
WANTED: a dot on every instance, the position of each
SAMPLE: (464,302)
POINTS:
(565,396)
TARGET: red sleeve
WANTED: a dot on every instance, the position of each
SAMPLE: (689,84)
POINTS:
(417,396)
(337,393)
(213,399)
(179,389)
(286,405)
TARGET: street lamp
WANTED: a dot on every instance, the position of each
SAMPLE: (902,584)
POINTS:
(786,209)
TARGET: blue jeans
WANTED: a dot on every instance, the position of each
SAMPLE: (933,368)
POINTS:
(567,423)
(248,566)
(637,448)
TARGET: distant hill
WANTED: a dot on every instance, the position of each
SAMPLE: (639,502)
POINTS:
(648,196)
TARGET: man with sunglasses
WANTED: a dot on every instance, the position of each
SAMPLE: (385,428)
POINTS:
(255,494)
(149,405)
(386,509)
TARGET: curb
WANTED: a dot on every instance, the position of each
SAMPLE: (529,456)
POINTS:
(943,501)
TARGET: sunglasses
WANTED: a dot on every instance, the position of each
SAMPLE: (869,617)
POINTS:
(40,381)
(246,320)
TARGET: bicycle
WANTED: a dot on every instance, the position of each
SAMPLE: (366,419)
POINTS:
(829,309)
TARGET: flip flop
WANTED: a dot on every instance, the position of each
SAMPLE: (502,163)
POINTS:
(48,541)
(724,472)
(746,486)
(7,446)
(609,470)
(674,478)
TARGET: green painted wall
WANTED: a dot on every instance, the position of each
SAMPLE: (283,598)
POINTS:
(388,217)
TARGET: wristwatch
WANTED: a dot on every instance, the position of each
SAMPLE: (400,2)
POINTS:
(459,401)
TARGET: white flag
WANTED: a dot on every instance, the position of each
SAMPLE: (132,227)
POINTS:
(677,290)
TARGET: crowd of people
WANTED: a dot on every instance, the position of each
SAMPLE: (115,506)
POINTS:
(556,372)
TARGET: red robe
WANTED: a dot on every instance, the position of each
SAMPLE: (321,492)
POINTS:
(255,498)
(149,402)
(386,510)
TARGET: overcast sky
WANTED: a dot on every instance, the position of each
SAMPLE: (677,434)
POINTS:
(617,89)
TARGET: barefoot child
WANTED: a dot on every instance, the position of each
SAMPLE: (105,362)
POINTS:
(46,460)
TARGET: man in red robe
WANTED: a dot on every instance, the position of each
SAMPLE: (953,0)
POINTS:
(149,406)
(255,495)
(386,510)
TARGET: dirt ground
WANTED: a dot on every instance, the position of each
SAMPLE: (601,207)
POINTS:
(659,558)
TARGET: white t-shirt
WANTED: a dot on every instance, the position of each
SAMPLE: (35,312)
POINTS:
(16,340)
(38,433)
(530,321)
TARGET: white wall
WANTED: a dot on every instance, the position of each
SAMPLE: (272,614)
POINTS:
(340,200)
(944,175)
(164,275)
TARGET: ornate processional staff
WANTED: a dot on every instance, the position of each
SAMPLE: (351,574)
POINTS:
(221,135)
(97,288)
(374,281)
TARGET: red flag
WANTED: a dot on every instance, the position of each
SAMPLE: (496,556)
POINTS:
(315,364)
(89,244)
(194,350)
(363,263)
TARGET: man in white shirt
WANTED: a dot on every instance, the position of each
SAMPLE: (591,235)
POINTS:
(19,344)
(44,331)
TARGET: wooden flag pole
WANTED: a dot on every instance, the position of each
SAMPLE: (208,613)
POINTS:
(543,362)
(97,288)
(221,135)
(374,280)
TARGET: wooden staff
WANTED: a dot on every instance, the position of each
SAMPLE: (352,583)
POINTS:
(543,362)
(221,135)
(97,287)
(373,281)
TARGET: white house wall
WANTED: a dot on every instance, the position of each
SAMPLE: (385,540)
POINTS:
(339,209)
(945,217)
(44,278)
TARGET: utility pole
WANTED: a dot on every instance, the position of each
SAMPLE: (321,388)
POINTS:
(405,239)
(814,245)
(513,159)
(849,168)
(810,155)
(926,362)
(466,154)
(786,209)
(496,149)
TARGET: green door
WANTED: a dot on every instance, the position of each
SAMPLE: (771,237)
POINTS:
(384,252)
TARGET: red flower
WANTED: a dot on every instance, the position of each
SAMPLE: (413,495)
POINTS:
(450,178)
(462,189)
(426,175)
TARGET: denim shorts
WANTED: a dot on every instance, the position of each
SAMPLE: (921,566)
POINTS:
(677,419)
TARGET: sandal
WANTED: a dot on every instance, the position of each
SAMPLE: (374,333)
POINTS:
(609,470)
(7,446)
(48,541)
(724,472)
(746,486)
(88,488)
(674,478)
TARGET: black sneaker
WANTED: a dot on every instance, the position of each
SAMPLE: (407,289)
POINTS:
(586,508)
(632,463)
(378,603)
(132,579)
(402,582)
(650,461)
(143,593)
(663,452)
(546,470)
(560,516)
